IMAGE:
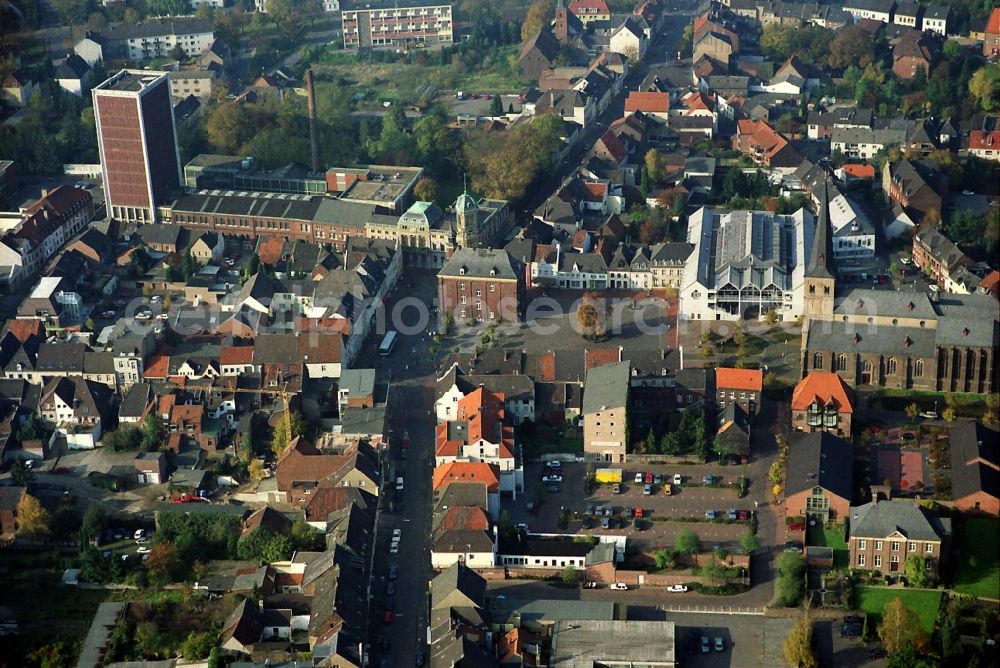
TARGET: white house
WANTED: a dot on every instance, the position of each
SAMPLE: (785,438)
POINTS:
(629,40)
(853,232)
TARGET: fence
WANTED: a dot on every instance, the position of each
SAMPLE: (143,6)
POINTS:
(714,609)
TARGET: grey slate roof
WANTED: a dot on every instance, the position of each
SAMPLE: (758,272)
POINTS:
(975,458)
(821,253)
(820,460)
(480,263)
(460,577)
(882,518)
(606,387)
(845,337)
(881,137)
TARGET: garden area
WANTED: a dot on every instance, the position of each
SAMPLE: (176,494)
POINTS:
(924,603)
(977,572)
(539,438)
(833,538)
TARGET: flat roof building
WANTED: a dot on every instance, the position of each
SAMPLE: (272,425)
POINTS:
(137,141)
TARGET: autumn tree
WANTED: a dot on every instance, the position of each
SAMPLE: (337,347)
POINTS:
(655,165)
(985,86)
(163,561)
(900,626)
(539,15)
(798,649)
(426,190)
(912,410)
(949,415)
(590,316)
(32,518)
(255,470)
(279,440)
(850,46)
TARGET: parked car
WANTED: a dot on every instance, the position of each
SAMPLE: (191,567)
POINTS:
(387,617)
(719,645)
(139,533)
(390,589)
(553,465)
(608,511)
(705,647)
(555,478)
(638,478)
(850,631)
(521,526)
(605,523)
(647,489)
(677,589)
(142,541)
(796,526)
(394,548)
(742,514)
(142,550)
(619,586)
(793,546)
(709,514)
(732,514)
(929,415)
(397,534)
(667,489)
(709,480)
(677,478)
(649,478)
(399,484)
(617,489)
(393,572)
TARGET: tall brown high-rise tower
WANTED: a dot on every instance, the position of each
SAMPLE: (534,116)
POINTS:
(137,140)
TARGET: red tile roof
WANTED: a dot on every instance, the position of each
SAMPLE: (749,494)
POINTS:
(158,363)
(984,141)
(487,474)
(823,387)
(269,249)
(591,7)
(860,171)
(600,357)
(739,379)
(232,355)
(22,329)
(546,367)
(991,284)
(464,518)
(614,146)
(647,102)
(993,25)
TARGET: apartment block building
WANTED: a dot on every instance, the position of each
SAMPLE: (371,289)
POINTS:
(398,25)
(885,533)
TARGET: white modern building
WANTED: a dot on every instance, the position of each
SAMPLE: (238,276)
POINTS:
(853,233)
(744,264)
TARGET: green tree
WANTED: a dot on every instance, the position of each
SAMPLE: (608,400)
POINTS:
(687,542)
(152,433)
(304,537)
(31,429)
(65,521)
(198,645)
(32,518)
(21,474)
(496,106)
(227,127)
(798,649)
(94,523)
(664,559)
(147,637)
(916,573)
(985,86)
(266,546)
(791,579)
(900,626)
(72,11)
(713,570)
(569,575)
(505,527)
(748,542)
(52,655)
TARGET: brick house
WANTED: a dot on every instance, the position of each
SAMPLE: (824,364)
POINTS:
(818,477)
(743,386)
(937,255)
(885,533)
(991,45)
(916,185)
(189,421)
(916,51)
(481,284)
(822,401)
(975,468)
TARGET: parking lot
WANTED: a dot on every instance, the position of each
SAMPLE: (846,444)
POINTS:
(662,515)
(747,640)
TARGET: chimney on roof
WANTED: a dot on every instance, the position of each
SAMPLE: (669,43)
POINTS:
(313,125)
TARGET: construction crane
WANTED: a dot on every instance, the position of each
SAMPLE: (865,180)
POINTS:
(281,392)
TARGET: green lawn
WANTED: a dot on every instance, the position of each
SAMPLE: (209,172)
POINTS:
(832,537)
(980,539)
(923,602)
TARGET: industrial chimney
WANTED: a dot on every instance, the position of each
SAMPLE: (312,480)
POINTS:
(313,127)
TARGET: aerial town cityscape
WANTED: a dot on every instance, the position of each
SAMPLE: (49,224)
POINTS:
(499,334)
